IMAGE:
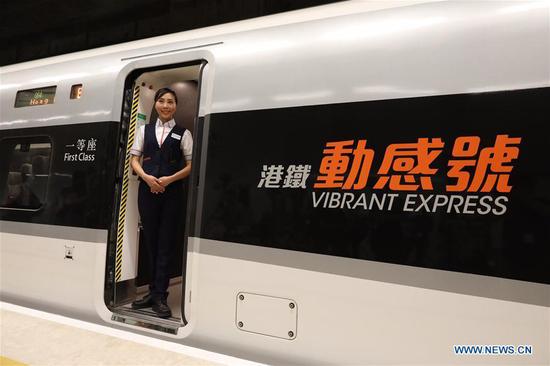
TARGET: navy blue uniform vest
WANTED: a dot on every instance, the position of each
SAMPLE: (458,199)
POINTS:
(167,159)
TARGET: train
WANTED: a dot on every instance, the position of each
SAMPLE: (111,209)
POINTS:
(369,184)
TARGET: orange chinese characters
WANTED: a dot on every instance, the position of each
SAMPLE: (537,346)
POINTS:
(489,169)
(336,163)
(403,161)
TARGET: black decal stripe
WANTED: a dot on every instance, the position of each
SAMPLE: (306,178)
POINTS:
(79,193)
(513,245)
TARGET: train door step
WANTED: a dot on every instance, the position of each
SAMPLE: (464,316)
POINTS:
(146,319)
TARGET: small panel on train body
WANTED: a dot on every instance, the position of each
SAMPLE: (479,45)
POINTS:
(76,91)
(449,182)
(267,315)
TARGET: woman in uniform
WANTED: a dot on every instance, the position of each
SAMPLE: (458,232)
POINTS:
(161,157)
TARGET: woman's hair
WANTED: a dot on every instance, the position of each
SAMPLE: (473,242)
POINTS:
(163,91)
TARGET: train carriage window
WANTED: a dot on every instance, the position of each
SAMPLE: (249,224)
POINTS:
(24,172)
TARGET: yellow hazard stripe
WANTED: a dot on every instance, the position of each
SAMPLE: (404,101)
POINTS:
(124,194)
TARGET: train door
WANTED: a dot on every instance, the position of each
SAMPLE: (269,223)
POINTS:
(129,268)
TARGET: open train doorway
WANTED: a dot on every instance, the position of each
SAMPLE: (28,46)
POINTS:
(134,256)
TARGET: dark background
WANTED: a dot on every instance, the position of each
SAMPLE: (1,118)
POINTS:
(41,28)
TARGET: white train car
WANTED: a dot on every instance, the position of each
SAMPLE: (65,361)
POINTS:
(369,186)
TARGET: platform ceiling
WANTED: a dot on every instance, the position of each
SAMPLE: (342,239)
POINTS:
(41,28)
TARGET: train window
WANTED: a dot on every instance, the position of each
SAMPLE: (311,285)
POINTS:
(24,172)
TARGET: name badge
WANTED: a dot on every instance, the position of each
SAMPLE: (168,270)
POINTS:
(176,136)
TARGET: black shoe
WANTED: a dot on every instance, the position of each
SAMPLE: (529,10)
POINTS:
(160,307)
(146,302)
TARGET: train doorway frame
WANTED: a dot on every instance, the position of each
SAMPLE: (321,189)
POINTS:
(118,292)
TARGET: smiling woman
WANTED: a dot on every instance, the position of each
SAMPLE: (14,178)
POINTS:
(166,149)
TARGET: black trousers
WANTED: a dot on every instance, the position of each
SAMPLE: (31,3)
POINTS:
(160,216)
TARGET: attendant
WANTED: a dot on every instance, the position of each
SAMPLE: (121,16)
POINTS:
(161,157)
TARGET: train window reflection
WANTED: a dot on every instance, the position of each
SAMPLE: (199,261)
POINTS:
(25,172)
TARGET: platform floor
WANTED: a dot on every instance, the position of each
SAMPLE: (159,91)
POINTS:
(30,337)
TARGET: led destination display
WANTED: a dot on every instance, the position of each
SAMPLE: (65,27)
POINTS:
(34,97)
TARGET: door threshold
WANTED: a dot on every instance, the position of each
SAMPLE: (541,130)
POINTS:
(146,319)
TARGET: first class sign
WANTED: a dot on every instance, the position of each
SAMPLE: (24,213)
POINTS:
(85,150)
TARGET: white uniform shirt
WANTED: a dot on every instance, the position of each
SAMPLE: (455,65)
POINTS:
(162,131)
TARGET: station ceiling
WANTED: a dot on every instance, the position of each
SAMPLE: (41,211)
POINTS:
(41,28)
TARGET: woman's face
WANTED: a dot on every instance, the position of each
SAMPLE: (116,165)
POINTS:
(166,107)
